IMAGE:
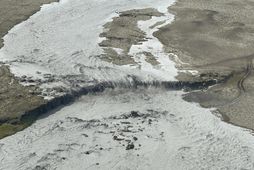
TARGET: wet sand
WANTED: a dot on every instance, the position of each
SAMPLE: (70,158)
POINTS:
(216,38)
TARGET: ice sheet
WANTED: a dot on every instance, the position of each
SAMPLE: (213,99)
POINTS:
(93,133)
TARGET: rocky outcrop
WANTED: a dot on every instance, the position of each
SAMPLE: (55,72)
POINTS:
(73,95)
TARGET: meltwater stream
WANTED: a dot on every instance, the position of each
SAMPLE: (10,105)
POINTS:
(122,128)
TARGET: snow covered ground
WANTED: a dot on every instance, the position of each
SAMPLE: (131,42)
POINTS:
(117,129)
(129,129)
(62,40)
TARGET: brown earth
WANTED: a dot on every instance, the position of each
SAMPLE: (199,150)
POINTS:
(122,33)
(15,99)
(13,12)
(216,38)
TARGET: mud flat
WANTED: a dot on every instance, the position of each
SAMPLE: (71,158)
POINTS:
(216,38)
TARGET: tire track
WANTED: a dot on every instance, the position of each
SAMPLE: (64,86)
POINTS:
(240,83)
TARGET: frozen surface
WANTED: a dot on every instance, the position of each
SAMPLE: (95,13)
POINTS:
(166,67)
(63,40)
(94,132)
(121,129)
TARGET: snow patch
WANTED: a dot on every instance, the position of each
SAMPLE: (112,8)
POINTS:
(166,70)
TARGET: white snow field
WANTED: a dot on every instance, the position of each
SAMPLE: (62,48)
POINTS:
(120,129)
(62,40)
(95,132)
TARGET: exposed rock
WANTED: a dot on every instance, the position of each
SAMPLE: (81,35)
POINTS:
(134,114)
(130,146)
